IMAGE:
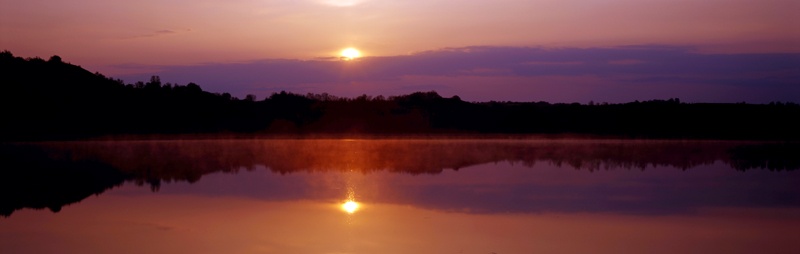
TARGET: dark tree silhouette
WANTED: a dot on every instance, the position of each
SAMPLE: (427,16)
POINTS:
(48,100)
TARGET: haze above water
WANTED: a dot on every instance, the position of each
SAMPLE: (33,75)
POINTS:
(413,196)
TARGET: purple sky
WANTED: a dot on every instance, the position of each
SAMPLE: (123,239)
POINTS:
(617,74)
(551,50)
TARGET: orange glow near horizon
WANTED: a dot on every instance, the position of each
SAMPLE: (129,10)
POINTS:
(351,53)
(121,32)
(350,206)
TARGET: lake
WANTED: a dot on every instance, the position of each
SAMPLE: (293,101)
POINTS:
(408,196)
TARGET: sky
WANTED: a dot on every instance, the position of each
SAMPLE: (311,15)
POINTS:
(518,50)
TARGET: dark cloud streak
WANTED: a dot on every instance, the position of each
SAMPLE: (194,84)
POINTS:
(625,65)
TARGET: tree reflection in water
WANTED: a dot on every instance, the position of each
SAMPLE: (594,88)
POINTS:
(51,175)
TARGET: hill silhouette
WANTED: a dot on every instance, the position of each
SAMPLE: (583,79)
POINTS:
(54,100)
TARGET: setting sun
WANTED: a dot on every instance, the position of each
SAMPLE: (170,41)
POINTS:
(350,206)
(351,53)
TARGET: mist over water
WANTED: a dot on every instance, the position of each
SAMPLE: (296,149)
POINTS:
(642,184)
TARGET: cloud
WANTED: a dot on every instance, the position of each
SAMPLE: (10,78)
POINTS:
(424,87)
(156,34)
(552,63)
(625,66)
(626,61)
(341,3)
(165,32)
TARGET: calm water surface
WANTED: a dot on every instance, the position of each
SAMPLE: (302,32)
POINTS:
(412,196)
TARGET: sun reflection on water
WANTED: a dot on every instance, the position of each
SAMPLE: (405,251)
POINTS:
(350,206)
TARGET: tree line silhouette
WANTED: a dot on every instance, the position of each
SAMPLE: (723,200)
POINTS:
(54,100)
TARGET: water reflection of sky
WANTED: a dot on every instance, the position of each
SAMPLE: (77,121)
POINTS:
(507,188)
(499,205)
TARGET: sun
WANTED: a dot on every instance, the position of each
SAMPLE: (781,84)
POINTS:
(350,53)
(350,206)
